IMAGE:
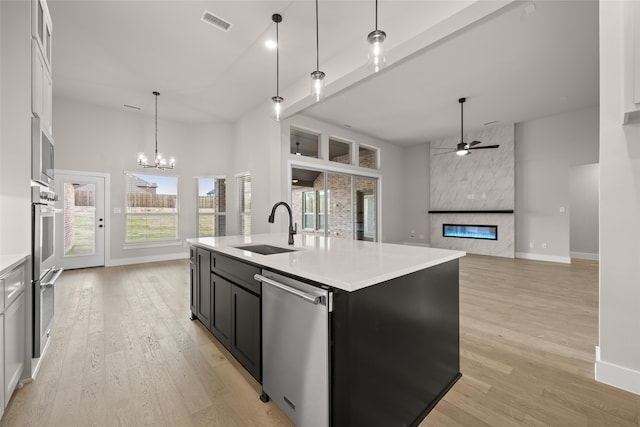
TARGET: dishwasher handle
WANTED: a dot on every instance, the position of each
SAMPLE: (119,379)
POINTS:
(305,296)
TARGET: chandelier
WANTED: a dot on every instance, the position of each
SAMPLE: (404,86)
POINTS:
(159,161)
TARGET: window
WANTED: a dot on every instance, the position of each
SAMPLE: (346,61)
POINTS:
(152,208)
(303,143)
(212,206)
(309,210)
(312,212)
(244,203)
(368,157)
(339,151)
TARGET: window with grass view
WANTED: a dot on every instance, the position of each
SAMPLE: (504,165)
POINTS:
(212,206)
(152,208)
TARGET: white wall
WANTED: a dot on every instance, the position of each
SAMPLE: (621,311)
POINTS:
(545,151)
(391,161)
(618,358)
(95,139)
(15,132)
(256,149)
(416,194)
(583,211)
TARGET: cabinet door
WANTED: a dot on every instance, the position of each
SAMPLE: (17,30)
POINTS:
(246,337)
(47,101)
(37,81)
(221,317)
(204,288)
(194,288)
(14,334)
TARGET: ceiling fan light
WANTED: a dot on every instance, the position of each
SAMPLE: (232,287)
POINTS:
(463,152)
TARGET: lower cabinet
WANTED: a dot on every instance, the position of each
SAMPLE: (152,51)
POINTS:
(246,344)
(12,329)
(226,300)
(203,288)
(221,317)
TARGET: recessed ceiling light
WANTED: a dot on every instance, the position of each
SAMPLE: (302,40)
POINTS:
(271,44)
(491,122)
(133,107)
(348,126)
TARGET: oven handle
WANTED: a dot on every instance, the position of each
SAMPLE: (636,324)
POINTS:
(51,282)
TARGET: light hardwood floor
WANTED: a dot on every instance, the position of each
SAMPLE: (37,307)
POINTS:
(123,352)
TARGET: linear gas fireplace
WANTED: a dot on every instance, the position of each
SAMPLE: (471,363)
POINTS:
(487,232)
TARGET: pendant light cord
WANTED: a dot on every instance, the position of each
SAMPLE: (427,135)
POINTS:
(277,61)
(317,41)
(376,15)
(156,94)
(462,121)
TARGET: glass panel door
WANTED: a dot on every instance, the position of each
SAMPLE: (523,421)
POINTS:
(366,208)
(80,226)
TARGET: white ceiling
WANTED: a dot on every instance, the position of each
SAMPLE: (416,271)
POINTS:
(512,66)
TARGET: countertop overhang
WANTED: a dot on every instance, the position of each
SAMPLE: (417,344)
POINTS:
(344,264)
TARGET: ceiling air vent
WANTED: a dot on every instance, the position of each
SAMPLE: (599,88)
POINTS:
(216,21)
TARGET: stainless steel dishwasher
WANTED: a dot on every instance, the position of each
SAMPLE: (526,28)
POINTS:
(295,348)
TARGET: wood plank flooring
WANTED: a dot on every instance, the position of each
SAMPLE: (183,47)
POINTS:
(124,353)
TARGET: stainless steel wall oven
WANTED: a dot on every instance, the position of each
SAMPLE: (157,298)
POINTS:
(45,274)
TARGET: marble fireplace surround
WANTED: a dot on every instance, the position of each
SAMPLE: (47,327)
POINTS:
(475,189)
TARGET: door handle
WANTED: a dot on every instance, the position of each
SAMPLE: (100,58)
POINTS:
(305,296)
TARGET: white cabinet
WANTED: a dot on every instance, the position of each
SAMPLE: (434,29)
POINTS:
(12,329)
(41,82)
(41,87)
(41,28)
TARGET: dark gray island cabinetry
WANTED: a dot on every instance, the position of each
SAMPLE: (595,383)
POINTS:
(392,319)
(226,300)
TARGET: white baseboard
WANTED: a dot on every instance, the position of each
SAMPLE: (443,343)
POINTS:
(617,376)
(585,255)
(543,257)
(144,259)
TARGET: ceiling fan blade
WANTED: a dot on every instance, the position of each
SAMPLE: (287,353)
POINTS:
(471,144)
(446,152)
(486,146)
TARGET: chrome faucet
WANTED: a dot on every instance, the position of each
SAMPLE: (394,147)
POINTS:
(292,230)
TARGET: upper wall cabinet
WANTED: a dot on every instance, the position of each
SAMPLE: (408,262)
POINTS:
(41,82)
(41,28)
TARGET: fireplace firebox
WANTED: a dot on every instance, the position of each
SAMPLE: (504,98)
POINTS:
(486,232)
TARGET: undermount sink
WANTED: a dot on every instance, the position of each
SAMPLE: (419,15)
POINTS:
(265,249)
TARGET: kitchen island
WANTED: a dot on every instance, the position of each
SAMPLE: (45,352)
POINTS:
(393,323)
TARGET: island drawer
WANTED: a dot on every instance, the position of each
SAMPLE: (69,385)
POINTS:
(236,271)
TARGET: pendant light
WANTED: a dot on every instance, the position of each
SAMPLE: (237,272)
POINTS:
(159,161)
(317,77)
(277,100)
(376,60)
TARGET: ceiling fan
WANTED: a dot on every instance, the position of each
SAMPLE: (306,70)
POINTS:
(463,148)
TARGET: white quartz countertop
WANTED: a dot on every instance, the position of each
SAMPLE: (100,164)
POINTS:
(7,262)
(341,263)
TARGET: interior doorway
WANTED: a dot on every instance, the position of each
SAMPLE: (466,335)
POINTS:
(80,232)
